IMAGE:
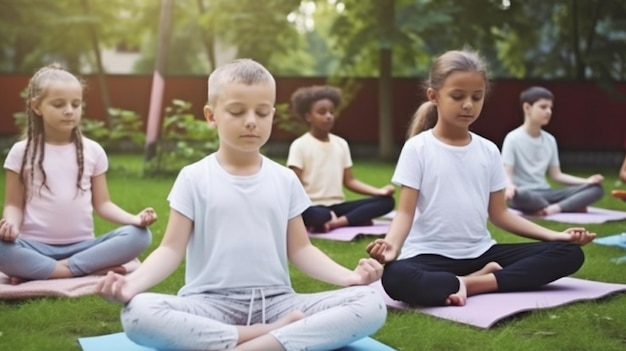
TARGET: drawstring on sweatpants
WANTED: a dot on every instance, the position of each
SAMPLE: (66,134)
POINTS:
(252,303)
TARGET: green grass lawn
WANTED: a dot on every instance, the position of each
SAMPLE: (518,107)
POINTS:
(56,323)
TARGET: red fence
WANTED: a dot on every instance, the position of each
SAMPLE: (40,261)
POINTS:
(585,117)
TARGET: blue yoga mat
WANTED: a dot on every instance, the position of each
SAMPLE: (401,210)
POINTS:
(618,240)
(119,342)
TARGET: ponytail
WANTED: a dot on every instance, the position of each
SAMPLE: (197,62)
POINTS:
(424,118)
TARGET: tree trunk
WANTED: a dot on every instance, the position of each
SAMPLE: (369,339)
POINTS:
(386,145)
(158,82)
(208,38)
(579,65)
(102,83)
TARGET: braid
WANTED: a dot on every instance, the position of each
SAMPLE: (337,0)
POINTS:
(42,150)
(29,141)
(80,157)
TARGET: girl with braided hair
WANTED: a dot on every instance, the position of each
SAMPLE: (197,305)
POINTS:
(55,180)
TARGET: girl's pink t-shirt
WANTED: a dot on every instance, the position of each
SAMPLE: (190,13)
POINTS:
(59,213)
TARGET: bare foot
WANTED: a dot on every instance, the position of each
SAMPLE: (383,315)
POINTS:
(257,337)
(288,319)
(115,269)
(328,226)
(540,213)
(332,223)
(325,228)
(336,222)
(460,297)
(16,280)
(488,268)
(552,209)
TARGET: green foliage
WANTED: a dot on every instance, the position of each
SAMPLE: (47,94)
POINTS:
(186,38)
(95,130)
(257,29)
(206,31)
(36,32)
(580,39)
(184,139)
(127,126)
(285,120)
(21,121)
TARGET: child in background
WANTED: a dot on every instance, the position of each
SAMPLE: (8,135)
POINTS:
(529,152)
(237,215)
(323,163)
(619,193)
(622,170)
(55,179)
(446,170)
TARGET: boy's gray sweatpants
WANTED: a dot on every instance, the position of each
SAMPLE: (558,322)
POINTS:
(31,259)
(571,198)
(207,321)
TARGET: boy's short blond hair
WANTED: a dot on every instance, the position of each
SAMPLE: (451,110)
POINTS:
(245,71)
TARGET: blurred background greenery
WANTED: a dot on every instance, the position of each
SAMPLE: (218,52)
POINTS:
(562,39)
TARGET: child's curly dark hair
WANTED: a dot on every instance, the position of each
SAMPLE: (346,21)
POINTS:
(303,98)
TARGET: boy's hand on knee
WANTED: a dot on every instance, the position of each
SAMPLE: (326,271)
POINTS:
(367,271)
(113,287)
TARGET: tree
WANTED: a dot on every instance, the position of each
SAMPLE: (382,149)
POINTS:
(257,29)
(187,38)
(578,39)
(571,39)
(36,32)
(368,33)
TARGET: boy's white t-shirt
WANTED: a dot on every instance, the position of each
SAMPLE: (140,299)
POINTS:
(454,184)
(530,158)
(59,213)
(239,237)
(322,164)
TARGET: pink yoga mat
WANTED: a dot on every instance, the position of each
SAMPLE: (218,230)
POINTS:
(593,215)
(483,311)
(379,228)
(69,287)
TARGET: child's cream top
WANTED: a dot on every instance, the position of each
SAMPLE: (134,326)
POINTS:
(322,164)
(59,213)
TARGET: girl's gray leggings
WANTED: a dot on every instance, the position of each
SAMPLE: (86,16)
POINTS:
(30,259)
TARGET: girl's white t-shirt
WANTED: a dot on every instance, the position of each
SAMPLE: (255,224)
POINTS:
(454,184)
